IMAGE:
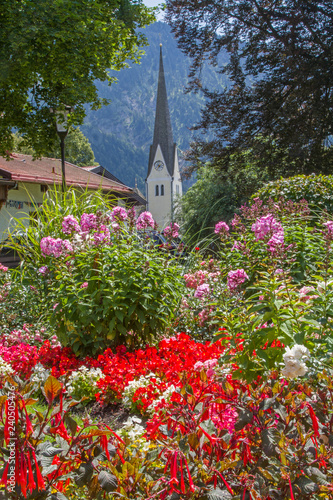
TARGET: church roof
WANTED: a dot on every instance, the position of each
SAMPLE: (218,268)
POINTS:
(162,131)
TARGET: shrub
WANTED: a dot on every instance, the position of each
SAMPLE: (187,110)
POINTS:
(317,190)
(104,283)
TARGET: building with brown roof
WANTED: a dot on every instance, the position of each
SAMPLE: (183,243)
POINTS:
(23,182)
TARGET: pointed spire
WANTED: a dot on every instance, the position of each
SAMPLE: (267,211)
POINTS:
(163,130)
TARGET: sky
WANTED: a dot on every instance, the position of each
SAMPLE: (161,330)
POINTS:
(154,3)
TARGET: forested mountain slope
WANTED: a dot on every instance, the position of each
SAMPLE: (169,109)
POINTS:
(121,133)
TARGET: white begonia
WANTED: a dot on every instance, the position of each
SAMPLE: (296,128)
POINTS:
(294,361)
(40,374)
(83,373)
(5,368)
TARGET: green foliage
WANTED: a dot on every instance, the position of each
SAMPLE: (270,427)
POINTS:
(130,297)
(268,307)
(317,190)
(21,304)
(52,53)
(218,193)
(78,148)
(279,85)
(124,291)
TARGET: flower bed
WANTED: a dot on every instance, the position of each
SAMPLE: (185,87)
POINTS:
(232,399)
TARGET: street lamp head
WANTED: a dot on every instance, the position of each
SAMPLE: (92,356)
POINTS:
(62,119)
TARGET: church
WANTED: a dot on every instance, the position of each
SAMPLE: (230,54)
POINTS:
(163,182)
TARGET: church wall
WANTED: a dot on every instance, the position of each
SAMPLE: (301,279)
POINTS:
(160,206)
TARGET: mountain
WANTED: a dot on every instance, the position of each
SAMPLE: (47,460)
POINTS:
(121,133)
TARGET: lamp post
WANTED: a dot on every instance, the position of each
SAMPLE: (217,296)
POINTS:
(62,131)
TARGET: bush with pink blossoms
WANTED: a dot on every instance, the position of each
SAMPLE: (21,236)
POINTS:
(103,287)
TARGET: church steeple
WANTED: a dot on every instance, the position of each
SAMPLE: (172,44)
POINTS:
(162,130)
(163,182)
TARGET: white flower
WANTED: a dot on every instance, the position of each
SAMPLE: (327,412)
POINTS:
(294,361)
(5,368)
(321,285)
(40,374)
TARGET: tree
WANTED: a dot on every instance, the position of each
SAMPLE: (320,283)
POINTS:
(280,71)
(78,148)
(52,53)
(218,194)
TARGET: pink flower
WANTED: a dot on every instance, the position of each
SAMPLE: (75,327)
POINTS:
(119,214)
(88,222)
(103,236)
(329,227)
(84,285)
(266,225)
(210,363)
(43,270)
(198,366)
(171,231)
(145,220)
(70,225)
(276,242)
(202,291)
(4,269)
(55,247)
(236,278)
(221,228)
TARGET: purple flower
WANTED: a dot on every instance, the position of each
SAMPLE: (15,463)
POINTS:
(55,247)
(145,220)
(202,291)
(236,278)
(70,225)
(266,225)
(221,228)
(276,241)
(171,231)
(329,227)
(119,214)
(103,236)
(88,222)
(43,270)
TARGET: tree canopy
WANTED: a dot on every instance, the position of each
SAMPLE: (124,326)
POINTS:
(51,54)
(280,72)
(78,148)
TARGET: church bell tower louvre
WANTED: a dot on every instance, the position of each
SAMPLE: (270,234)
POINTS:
(163,182)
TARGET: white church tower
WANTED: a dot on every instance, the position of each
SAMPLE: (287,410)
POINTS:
(163,182)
